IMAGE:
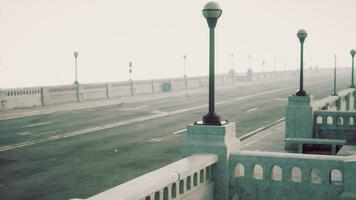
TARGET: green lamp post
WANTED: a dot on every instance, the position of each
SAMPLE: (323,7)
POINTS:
(212,11)
(352,52)
(302,34)
(75,53)
(334,93)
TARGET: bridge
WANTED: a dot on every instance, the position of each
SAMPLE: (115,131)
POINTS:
(308,152)
(216,166)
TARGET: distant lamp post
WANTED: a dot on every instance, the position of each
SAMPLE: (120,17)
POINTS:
(75,53)
(185,72)
(334,93)
(352,52)
(301,35)
(130,77)
(211,12)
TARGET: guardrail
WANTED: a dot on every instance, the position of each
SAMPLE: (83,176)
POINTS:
(191,176)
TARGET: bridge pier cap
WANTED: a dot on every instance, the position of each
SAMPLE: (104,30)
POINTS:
(299,119)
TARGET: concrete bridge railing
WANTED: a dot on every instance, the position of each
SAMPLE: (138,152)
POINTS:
(188,178)
(307,118)
(41,96)
(335,125)
(344,101)
(257,175)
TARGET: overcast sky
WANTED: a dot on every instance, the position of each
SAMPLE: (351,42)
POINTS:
(38,37)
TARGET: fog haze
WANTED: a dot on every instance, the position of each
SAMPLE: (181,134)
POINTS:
(38,37)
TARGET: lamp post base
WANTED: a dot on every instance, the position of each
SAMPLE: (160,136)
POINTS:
(211,119)
(76,82)
(300,93)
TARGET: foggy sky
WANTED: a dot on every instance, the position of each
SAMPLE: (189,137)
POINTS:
(38,37)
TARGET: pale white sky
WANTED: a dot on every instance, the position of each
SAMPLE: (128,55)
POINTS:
(38,37)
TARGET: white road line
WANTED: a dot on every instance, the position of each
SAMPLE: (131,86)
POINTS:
(133,108)
(252,109)
(37,124)
(255,140)
(280,99)
(136,120)
(180,131)
(24,133)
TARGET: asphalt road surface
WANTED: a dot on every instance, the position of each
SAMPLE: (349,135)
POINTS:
(78,153)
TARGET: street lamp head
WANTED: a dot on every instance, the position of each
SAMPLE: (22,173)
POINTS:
(302,34)
(353,52)
(75,54)
(212,11)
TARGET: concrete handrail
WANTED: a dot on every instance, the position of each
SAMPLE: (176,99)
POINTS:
(150,183)
(338,118)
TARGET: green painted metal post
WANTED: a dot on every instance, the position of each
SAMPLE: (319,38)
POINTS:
(302,34)
(334,93)
(352,52)
(211,14)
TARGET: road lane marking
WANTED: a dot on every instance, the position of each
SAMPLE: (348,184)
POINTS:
(133,108)
(258,138)
(280,99)
(38,124)
(24,133)
(180,131)
(131,121)
(252,109)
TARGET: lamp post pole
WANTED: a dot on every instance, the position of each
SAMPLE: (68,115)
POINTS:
(75,53)
(302,34)
(334,93)
(185,72)
(352,52)
(211,12)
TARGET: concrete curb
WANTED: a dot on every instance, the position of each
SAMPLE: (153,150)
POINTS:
(247,135)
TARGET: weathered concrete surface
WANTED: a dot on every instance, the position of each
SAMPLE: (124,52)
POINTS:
(299,118)
(219,140)
(184,179)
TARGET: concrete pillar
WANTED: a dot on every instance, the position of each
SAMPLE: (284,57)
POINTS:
(77,92)
(2,100)
(219,140)
(338,104)
(108,90)
(299,119)
(354,100)
(347,101)
(349,179)
(42,96)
